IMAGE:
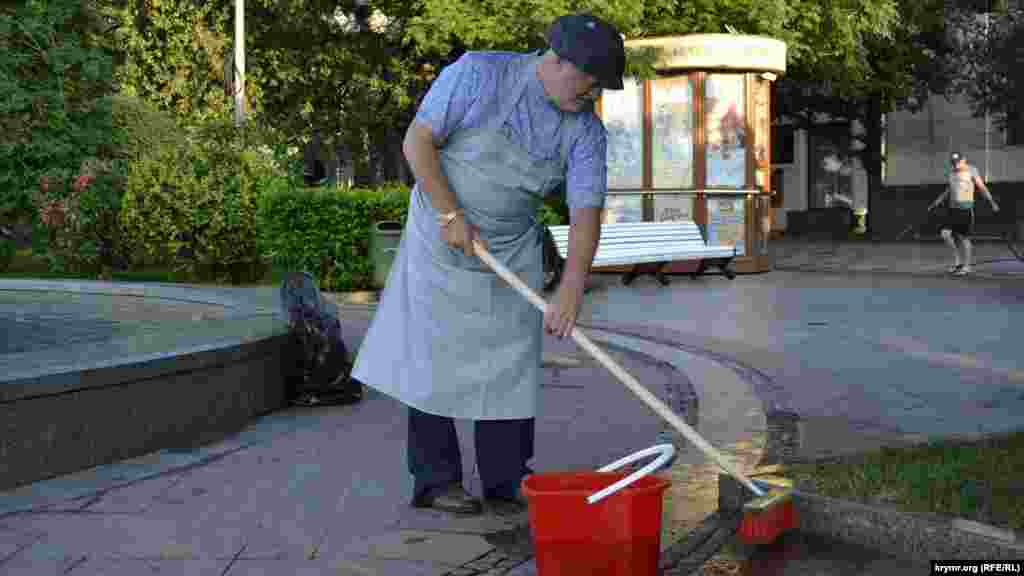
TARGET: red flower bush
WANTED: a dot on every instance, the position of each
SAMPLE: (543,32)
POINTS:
(80,214)
(82,182)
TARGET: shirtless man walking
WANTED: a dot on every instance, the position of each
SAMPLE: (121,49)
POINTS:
(958,222)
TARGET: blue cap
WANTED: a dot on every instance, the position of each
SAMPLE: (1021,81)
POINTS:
(592,45)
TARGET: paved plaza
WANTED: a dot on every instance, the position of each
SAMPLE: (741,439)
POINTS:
(866,359)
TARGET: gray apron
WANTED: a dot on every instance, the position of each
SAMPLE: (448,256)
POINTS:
(450,337)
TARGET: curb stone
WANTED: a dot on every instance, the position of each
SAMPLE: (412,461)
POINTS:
(909,535)
(689,554)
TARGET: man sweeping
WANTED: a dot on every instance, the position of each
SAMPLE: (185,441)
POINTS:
(496,132)
(964,180)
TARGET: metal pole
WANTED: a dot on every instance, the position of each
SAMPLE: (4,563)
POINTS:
(239,62)
(988,128)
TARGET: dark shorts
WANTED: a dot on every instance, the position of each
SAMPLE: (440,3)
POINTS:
(959,221)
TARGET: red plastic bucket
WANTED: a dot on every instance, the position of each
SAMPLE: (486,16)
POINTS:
(620,535)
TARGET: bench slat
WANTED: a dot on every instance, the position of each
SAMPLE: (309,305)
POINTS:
(644,236)
(649,259)
(709,251)
(646,242)
(630,228)
(639,233)
(655,257)
(633,243)
(647,238)
(633,226)
(636,224)
(680,252)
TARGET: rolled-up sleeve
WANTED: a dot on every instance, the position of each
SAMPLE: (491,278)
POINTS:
(586,181)
(450,97)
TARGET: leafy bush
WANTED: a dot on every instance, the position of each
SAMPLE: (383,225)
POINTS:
(77,209)
(55,78)
(78,212)
(194,207)
(140,127)
(554,211)
(548,216)
(7,252)
(326,231)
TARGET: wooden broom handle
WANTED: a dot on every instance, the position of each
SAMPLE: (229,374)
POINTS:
(635,387)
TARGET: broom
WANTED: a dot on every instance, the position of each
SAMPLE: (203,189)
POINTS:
(769,514)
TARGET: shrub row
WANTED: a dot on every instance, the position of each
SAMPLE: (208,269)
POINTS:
(326,231)
(210,203)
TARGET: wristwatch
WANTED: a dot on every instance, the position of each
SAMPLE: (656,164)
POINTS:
(447,218)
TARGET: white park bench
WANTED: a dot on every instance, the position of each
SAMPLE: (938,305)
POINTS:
(644,243)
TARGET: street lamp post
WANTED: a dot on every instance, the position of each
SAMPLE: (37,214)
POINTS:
(239,62)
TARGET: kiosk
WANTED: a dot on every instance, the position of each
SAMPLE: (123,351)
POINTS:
(694,142)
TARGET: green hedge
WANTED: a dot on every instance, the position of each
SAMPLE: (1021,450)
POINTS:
(326,231)
(7,252)
(194,206)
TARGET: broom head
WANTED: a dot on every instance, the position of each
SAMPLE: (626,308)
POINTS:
(768,516)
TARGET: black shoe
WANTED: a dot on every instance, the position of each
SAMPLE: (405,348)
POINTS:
(504,506)
(453,499)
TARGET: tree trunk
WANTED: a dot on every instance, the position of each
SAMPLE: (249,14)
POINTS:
(873,166)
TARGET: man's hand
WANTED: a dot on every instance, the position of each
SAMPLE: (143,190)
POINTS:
(459,234)
(564,306)
(995,207)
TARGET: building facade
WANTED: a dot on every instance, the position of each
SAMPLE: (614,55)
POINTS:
(810,171)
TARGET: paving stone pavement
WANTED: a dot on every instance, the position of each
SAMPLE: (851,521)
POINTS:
(325,491)
(993,259)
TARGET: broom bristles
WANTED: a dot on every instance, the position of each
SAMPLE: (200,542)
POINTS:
(766,517)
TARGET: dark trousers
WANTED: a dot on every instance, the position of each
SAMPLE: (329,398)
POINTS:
(502,449)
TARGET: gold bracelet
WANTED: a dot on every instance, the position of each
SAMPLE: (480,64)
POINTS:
(448,217)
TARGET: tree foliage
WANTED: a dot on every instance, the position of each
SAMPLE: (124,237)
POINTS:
(56,76)
(358,70)
(174,53)
(989,57)
(824,38)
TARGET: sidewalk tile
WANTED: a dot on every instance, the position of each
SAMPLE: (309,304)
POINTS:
(284,539)
(120,536)
(133,498)
(22,566)
(13,540)
(108,567)
(436,521)
(349,566)
(436,547)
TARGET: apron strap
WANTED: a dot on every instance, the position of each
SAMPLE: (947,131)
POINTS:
(507,106)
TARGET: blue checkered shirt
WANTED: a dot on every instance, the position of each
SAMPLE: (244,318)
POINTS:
(458,100)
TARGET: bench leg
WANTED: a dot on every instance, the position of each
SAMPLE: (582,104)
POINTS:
(724,266)
(628,277)
(701,267)
(659,274)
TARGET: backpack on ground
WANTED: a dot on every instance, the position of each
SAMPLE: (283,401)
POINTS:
(318,365)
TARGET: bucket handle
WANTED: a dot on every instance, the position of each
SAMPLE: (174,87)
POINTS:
(665,452)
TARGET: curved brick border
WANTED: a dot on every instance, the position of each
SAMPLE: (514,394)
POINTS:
(915,536)
(64,410)
(892,531)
